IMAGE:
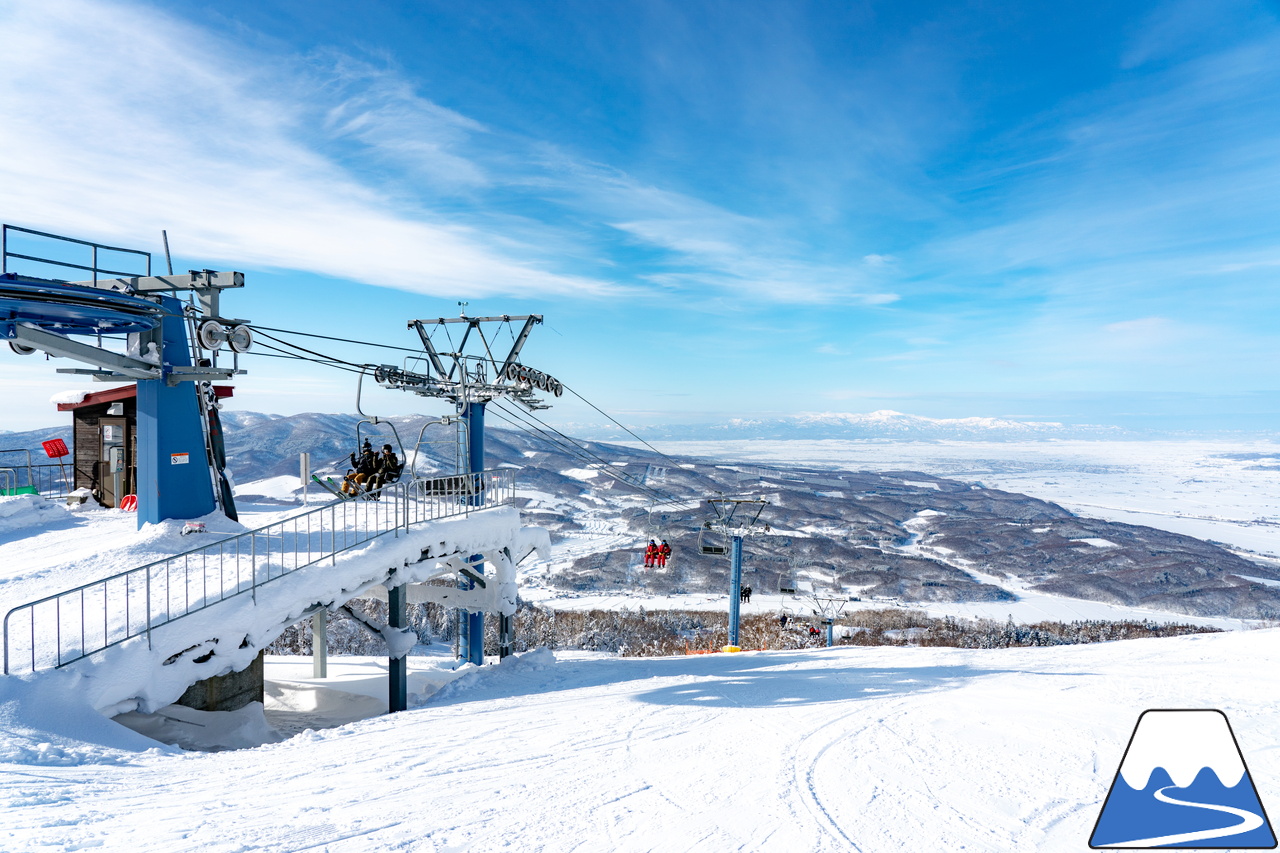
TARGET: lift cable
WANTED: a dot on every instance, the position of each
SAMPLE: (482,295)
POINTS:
(287,355)
(316,358)
(566,446)
(313,352)
(543,429)
(573,391)
(564,442)
(332,338)
(572,445)
(607,469)
(628,431)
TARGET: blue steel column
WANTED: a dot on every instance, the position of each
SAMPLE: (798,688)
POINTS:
(173,463)
(397,668)
(735,590)
(471,625)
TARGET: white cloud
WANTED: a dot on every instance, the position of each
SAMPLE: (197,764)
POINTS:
(1143,327)
(184,131)
(331,165)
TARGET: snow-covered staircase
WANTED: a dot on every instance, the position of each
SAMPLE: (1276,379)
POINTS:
(139,638)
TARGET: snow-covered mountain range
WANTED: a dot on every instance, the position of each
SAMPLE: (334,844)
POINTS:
(882,424)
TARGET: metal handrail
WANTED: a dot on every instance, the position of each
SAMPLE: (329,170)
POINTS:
(5,254)
(174,587)
(49,480)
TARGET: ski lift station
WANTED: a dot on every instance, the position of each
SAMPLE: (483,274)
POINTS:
(191,624)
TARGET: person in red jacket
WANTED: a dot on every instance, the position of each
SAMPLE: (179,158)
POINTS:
(664,551)
(651,554)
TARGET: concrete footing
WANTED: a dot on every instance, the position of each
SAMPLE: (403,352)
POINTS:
(229,692)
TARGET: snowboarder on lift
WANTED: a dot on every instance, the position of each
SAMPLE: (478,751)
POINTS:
(651,555)
(664,551)
(388,468)
(366,466)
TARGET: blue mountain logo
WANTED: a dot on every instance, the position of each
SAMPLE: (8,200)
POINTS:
(1183,783)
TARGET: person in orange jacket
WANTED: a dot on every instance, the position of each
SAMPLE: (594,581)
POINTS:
(664,551)
(651,555)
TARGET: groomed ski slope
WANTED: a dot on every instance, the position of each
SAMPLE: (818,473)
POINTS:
(830,750)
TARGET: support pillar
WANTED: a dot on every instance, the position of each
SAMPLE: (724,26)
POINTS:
(397,668)
(735,591)
(320,644)
(173,462)
(471,625)
(506,635)
(831,632)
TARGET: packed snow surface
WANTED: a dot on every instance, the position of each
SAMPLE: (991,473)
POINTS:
(872,749)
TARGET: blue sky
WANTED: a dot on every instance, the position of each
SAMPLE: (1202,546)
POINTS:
(1025,210)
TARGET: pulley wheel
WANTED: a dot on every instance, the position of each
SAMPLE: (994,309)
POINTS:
(211,335)
(239,338)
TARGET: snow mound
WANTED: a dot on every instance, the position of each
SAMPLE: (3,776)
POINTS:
(24,511)
(48,721)
(514,667)
(207,731)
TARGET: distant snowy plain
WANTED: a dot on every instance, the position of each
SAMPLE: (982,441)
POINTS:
(1224,491)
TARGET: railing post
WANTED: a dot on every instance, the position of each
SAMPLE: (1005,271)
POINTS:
(148,614)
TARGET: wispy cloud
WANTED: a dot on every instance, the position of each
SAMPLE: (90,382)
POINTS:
(332,164)
(1173,162)
(192,135)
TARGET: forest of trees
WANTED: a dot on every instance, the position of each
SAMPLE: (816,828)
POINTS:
(642,633)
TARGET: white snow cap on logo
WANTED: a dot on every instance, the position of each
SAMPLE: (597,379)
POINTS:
(1183,743)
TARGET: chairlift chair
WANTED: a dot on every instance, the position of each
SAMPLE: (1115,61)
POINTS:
(711,541)
(448,448)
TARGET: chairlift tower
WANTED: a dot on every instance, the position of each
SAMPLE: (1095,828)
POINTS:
(470,379)
(828,609)
(736,518)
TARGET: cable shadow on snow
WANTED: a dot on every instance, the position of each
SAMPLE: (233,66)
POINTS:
(775,679)
(790,688)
